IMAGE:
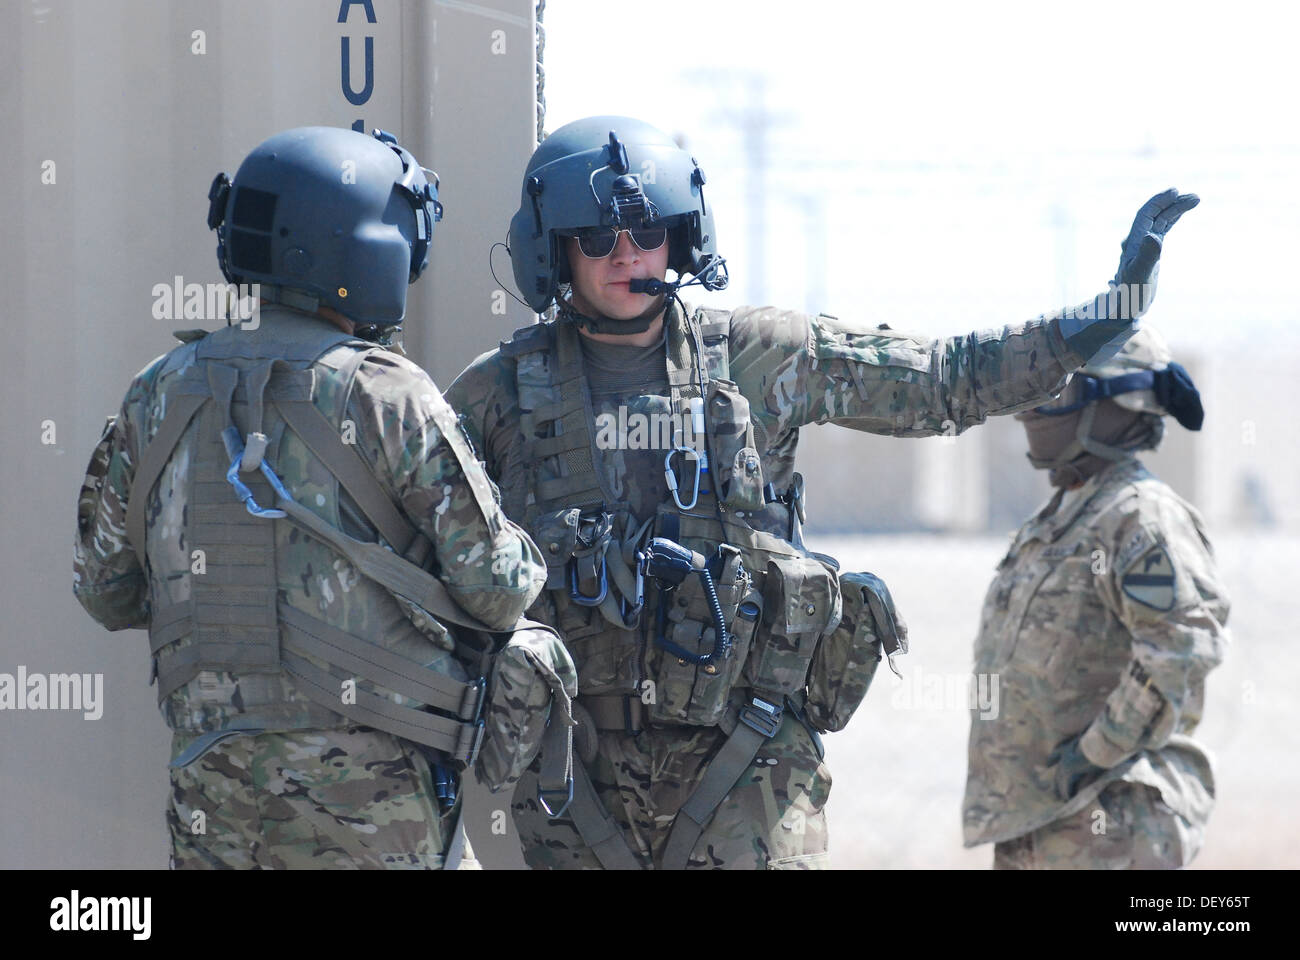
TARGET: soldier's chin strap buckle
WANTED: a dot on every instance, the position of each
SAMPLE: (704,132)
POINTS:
(762,716)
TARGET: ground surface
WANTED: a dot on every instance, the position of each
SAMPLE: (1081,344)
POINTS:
(900,766)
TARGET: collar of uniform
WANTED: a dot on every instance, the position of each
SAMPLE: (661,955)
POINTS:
(1040,521)
(280,332)
(1069,508)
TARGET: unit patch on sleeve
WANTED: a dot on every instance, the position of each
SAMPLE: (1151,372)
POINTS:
(1150,581)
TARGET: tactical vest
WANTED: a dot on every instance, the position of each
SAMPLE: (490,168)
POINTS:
(254,432)
(658,661)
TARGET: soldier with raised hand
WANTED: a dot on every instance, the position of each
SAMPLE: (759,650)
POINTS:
(291,510)
(649,449)
(1104,619)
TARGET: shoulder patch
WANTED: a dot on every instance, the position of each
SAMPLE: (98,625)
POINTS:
(1059,551)
(1150,581)
(1136,545)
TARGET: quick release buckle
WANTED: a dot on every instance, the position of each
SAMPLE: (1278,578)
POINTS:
(762,716)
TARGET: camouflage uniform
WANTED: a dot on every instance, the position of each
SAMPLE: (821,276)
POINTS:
(304,786)
(1105,616)
(794,370)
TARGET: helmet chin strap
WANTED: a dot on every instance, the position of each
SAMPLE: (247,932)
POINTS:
(1091,443)
(600,324)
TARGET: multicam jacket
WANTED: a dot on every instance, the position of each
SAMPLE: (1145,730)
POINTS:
(1103,620)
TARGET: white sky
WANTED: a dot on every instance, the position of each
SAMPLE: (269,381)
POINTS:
(944,166)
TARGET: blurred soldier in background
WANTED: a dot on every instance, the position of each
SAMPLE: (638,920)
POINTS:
(1105,616)
(269,503)
(649,449)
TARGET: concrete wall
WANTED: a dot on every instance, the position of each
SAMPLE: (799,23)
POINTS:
(115,118)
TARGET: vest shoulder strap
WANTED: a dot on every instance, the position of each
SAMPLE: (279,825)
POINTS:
(343,461)
(715,333)
(150,467)
(527,339)
(713,323)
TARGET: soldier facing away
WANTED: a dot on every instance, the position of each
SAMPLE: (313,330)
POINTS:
(1104,618)
(649,449)
(269,503)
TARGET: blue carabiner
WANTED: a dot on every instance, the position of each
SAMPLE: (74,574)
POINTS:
(235,448)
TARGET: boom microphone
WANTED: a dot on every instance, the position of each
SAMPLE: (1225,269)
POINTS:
(650,286)
(712,275)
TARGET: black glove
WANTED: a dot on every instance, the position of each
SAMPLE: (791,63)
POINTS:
(1140,253)
(1073,769)
(1099,328)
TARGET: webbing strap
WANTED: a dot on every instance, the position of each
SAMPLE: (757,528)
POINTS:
(456,739)
(564,443)
(381,666)
(451,857)
(568,404)
(386,568)
(597,827)
(615,712)
(346,464)
(169,624)
(724,771)
(681,372)
(257,378)
(555,779)
(237,656)
(152,460)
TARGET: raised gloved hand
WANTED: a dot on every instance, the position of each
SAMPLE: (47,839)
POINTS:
(1073,769)
(1098,329)
(1139,258)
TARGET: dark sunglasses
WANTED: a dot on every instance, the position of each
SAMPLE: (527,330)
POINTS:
(597,243)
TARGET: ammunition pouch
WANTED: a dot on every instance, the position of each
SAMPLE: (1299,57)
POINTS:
(690,692)
(529,701)
(846,660)
(801,603)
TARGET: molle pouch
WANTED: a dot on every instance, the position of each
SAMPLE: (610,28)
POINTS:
(696,693)
(556,535)
(533,684)
(801,602)
(734,460)
(846,659)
